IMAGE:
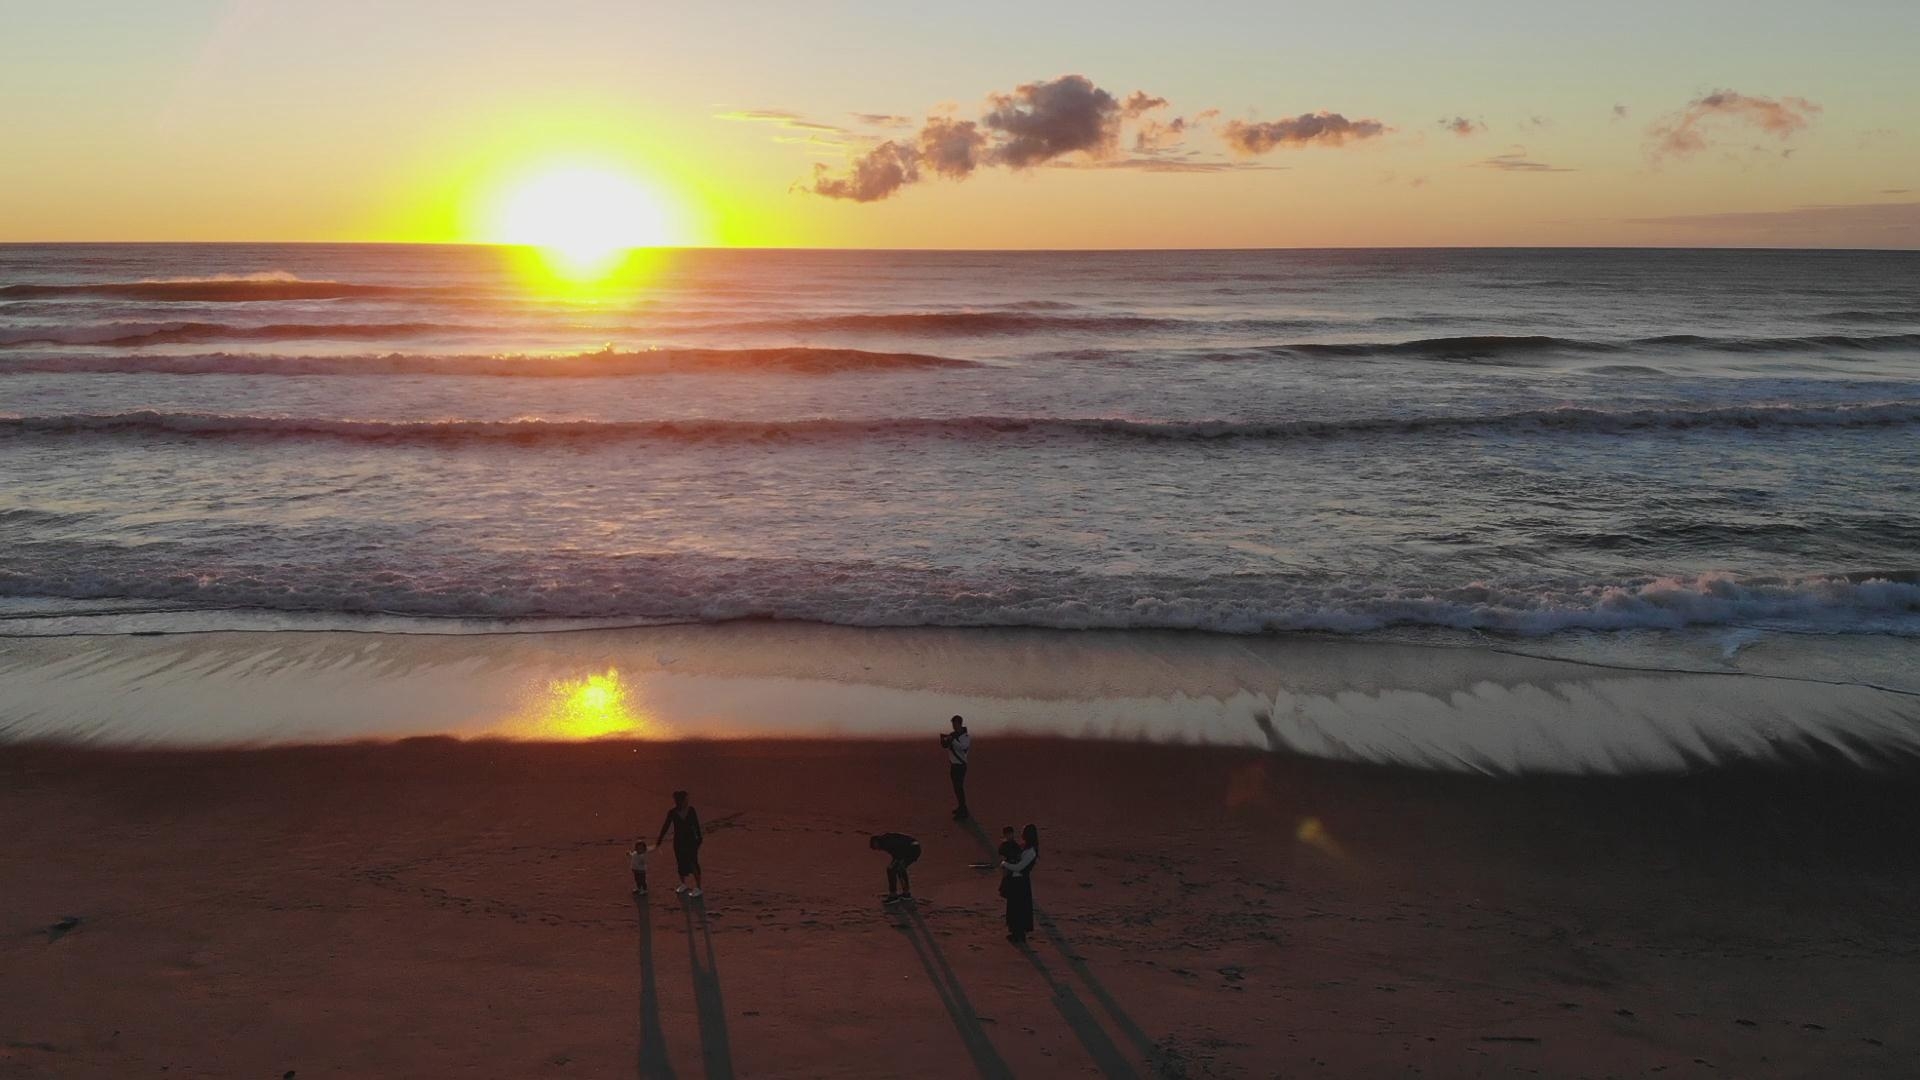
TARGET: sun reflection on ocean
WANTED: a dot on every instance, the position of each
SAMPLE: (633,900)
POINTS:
(590,707)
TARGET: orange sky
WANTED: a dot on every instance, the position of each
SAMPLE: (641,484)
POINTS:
(1487,124)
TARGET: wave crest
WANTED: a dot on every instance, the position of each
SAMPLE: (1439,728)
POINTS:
(1574,420)
(601,363)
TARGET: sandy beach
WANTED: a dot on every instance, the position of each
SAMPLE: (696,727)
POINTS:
(442,908)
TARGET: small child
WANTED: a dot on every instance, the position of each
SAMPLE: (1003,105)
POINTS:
(638,861)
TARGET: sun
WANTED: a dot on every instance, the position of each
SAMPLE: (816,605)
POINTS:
(584,219)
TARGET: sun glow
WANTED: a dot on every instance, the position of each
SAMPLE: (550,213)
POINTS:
(590,707)
(584,220)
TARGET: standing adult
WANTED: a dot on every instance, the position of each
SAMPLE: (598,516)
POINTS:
(958,745)
(1016,884)
(684,822)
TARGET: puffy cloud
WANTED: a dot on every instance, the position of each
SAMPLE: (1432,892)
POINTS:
(1040,121)
(1139,103)
(951,148)
(1462,126)
(1307,129)
(1066,121)
(1687,131)
(1036,124)
(874,175)
(1516,161)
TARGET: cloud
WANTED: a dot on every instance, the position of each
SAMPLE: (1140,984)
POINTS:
(1154,136)
(1040,121)
(1171,165)
(779,118)
(1462,126)
(1308,129)
(1689,131)
(1516,161)
(1620,112)
(874,175)
(1896,191)
(1139,103)
(1889,224)
(1064,122)
(952,148)
(1037,123)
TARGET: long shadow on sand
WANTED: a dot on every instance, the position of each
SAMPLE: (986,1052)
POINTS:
(986,1060)
(653,1041)
(1124,1024)
(716,1053)
(1107,1056)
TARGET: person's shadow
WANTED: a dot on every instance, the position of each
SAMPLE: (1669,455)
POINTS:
(1106,1055)
(653,1041)
(716,1053)
(986,1060)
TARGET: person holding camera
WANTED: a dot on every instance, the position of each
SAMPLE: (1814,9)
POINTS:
(958,745)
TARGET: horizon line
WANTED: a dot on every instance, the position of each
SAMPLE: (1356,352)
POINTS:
(971,250)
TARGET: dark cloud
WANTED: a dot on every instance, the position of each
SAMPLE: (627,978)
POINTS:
(1041,121)
(1688,131)
(952,148)
(1619,112)
(1517,161)
(1462,126)
(1307,129)
(874,175)
(883,120)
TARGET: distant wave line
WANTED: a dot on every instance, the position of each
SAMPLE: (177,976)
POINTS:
(595,364)
(539,430)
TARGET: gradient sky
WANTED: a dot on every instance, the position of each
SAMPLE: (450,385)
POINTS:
(1594,123)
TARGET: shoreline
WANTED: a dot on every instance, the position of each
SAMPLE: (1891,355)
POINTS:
(433,906)
(1446,707)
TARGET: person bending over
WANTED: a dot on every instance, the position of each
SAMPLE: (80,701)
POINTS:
(905,851)
(684,822)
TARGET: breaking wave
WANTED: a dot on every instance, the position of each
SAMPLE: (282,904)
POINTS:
(213,290)
(697,588)
(1573,420)
(601,363)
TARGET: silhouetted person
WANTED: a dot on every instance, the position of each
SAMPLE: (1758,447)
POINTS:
(958,745)
(684,821)
(905,851)
(637,860)
(1017,885)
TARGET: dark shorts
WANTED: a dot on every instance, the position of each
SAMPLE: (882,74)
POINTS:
(901,862)
(687,860)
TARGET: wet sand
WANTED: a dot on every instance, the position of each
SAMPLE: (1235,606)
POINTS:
(435,908)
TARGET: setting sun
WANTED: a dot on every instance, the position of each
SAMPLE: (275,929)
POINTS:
(585,219)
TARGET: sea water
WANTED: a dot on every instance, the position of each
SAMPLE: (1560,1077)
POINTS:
(1614,455)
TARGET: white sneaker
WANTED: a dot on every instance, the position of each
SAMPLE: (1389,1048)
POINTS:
(695,892)
(680,890)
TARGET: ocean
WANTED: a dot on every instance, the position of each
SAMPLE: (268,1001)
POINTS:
(1618,456)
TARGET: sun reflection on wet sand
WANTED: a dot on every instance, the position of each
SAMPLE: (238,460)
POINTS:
(590,707)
